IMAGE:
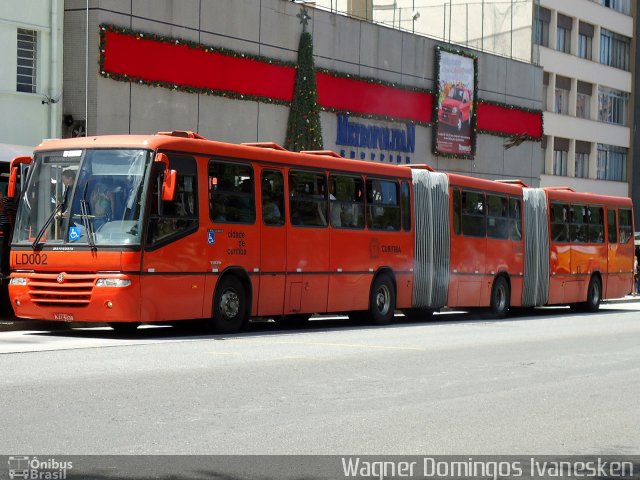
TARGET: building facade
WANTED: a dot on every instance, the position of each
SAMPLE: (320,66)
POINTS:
(124,95)
(31,36)
(585,48)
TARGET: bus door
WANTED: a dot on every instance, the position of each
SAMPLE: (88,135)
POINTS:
(273,243)
(613,278)
(472,254)
(308,243)
(172,279)
(620,253)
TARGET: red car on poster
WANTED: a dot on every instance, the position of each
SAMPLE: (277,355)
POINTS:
(456,107)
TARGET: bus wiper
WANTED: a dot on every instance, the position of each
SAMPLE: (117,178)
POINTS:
(36,241)
(84,214)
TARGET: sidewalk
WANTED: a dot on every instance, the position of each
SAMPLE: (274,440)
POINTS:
(627,299)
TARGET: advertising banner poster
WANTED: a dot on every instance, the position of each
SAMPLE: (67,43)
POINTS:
(456,104)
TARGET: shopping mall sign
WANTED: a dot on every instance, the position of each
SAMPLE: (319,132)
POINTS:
(375,143)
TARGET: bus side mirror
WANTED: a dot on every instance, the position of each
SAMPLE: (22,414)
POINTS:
(13,174)
(169,179)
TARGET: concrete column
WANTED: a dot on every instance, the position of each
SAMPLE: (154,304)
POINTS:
(593,160)
(548,155)
(574,36)
(594,103)
(573,97)
(571,158)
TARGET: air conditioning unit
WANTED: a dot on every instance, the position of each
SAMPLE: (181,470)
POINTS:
(72,128)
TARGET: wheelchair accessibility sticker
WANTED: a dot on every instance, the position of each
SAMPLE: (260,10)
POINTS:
(74,234)
(211,237)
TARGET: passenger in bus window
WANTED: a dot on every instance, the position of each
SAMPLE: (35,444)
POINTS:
(270,211)
(335,206)
(101,203)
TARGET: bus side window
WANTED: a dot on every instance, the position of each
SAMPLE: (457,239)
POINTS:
(579,228)
(515,219)
(612,229)
(474,222)
(457,228)
(497,217)
(624,220)
(406,206)
(231,193)
(596,224)
(559,214)
(308,199)
(179,217)
(383,207)
(272,198)
(346,201)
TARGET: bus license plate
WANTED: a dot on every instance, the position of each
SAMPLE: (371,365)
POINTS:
(64,317)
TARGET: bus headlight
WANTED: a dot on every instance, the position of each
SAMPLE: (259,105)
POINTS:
(18,281)
(113,282)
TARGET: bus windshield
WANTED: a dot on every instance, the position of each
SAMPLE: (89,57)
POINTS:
(90,197)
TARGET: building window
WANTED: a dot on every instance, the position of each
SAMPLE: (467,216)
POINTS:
(612,163)
(583,105)
(563,40)
(584,46)
(561,97)
(614,49)
(27,60)
(613,106)
(622,6)
(560,162)
(582,165)
(583,100)
(541,26)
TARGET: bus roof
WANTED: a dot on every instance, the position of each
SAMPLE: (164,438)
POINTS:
(193,143)
(484,184)
(566,194)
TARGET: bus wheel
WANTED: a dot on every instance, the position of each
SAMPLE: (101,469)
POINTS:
(229,306)
(382,303)
(124,327)
(500,296)
(594,294)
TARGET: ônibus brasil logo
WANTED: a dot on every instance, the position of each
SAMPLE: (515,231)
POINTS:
(31,468)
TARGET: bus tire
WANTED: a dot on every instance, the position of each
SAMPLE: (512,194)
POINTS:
(500,298)
(124,327)
(382,300)
(230,310)
(594,295)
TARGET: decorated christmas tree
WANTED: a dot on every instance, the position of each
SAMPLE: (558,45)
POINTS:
(303,128)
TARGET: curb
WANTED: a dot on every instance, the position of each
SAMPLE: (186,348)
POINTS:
(17,324)
(623,300)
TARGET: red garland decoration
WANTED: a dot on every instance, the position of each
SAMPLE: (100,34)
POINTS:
(186,66)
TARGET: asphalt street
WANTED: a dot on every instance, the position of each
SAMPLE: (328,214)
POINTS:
(547,382)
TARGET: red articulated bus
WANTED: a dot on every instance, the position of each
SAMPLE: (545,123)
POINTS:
(170,227)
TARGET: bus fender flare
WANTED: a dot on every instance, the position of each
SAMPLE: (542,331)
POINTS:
(242,275)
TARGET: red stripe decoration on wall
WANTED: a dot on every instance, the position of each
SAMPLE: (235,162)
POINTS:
(366,98)
(188,66)
(508,121)
(179,64)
